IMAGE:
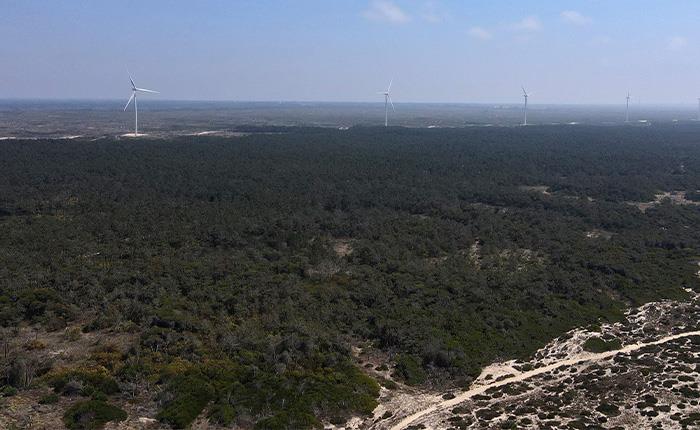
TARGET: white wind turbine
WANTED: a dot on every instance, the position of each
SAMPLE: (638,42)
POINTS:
(525,96)
(134,90)
(627,110)
(387,101)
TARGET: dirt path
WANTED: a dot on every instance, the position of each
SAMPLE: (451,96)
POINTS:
(582,358)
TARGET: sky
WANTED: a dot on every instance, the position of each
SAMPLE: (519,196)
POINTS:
(578,52)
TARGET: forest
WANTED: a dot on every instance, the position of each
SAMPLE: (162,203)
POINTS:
(232,277)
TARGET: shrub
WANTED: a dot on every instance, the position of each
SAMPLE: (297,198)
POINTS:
(107,356)
(8,391)
(72,334)
(191,393)
(92,379)
(49,399)
(9,312)
(596,344)
(408,369)
(288,420)
(608,409)
(34,344)
(387,383)
(92,414)
(22,371)
(223,414)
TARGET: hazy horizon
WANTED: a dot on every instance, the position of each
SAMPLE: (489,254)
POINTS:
(516,104)
(437,51)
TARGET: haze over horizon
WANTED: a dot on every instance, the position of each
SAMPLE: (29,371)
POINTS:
(581,52)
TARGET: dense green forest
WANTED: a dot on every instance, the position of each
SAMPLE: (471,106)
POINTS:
(245,269)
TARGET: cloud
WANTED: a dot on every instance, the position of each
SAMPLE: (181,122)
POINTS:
(574,17)
(677,43)
(529,23)
(386,11)
(480,33)
(433,13)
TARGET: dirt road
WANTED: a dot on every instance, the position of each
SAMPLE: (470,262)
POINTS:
(581,358)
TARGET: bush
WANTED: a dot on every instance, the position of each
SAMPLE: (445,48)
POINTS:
(34,345)
(223,414)
(22,371)
(191,394)
(288,420)
(608,409)
(72,334)
(8,391)
(49,399)
(409,369)
(91,380)
(92,414)
(387,383)
(596,344)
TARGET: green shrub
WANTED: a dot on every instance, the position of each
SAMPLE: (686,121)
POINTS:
(92,414)
(234,390)
(596,344)
(8,391)
(608,409)
(95,379)
(387,383)
(409,369)
(9,312)
(49,399)
(289,420)
(223,413)
(191,394)
(72,334)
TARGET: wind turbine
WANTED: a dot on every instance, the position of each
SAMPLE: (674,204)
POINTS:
(134,90)
(627,111)
(525,96)
(387,101)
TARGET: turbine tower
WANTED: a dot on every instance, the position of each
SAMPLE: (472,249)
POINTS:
(525,96)
(387,101)
(627,111)
(134,90)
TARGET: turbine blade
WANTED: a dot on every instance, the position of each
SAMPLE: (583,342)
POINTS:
(133,85)
(524,92)
(143,90)
(129,102)
(392,104)
(390,82)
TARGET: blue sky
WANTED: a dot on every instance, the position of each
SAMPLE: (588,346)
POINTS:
(587,51)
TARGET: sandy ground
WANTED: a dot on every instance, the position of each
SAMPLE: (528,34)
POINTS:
(655,325)
(579,359)
(676,198)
